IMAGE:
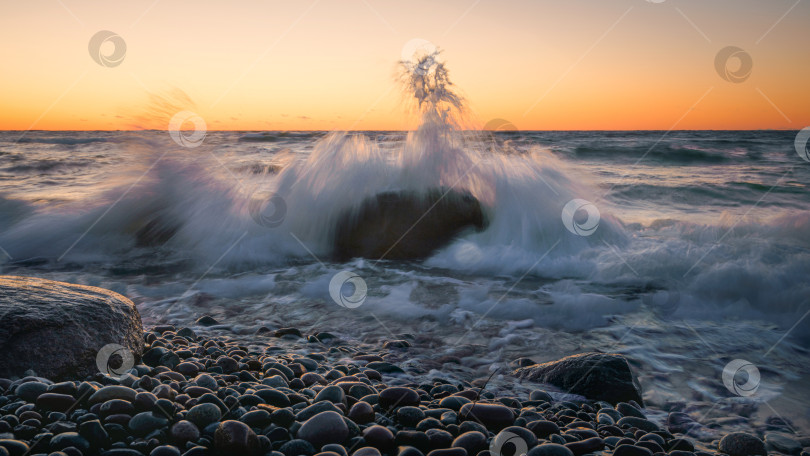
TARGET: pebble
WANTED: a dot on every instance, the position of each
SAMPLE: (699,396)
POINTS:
(550,449)
(491,415)
(196,396)
(741,444)
(361,412)
(233,437)
(324,428)
(202,415)
(631,450)
(30,391)
(113,392)
(146,422)
(398,396)
(781,443)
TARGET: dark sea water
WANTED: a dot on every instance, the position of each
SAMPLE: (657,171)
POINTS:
(697,250)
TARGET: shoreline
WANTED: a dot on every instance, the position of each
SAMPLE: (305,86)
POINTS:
(294,376)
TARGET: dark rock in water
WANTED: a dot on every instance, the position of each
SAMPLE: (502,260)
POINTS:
(155,232)
(640,423)
(598,376)
(206,320)
(783,443)
(406,224)
(233,437)
(742,444)
(57,329)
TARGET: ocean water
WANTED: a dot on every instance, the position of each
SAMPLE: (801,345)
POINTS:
(683,250)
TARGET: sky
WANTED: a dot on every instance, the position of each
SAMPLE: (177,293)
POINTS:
(330,64)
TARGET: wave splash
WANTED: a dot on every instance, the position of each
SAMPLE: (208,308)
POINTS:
(188,209)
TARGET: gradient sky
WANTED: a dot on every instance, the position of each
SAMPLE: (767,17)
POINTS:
(329,64)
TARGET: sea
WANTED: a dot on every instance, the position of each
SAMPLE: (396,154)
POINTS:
(686,251)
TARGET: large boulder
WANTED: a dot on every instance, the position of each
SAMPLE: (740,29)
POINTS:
(598,376)
(406,224)
(57,329)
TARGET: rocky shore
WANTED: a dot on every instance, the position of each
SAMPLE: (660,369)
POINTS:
(205,396)
(198,391)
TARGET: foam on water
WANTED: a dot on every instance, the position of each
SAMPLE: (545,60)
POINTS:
(200,202)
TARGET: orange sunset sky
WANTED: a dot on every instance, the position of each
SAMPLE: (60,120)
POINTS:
(328,64)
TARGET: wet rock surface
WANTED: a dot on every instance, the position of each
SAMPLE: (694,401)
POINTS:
(56,329)
(599,376)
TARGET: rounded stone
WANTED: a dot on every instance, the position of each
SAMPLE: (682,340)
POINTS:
(184,431)
(398,396)
(361,412)
(379,437)
(491,415)
(332,393)
(472,441)
(146,422)
(234,437)
(324,428)
(54,402)
(741,444)
(113,392)
(30,391)
(550,449)
(204,414)
(631,450)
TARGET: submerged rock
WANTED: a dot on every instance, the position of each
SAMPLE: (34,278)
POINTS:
(406,225)
(599,376)
(56,329)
